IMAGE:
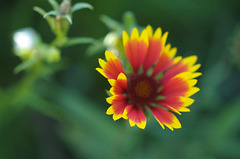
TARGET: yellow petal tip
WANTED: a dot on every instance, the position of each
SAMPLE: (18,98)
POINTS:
(125,37)
(134,34)
(109,111)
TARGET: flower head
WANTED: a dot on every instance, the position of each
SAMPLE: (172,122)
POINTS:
(158,81)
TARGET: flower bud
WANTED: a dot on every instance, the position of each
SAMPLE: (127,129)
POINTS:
(64,8)
(111,41)
(53,55)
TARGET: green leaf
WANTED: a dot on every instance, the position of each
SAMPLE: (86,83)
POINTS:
(81,5)
(110,23)
(53,12)
(95,48)
(54,4)
(50,20)
(46,107)
(80,40)
(129,20)
(25,65)
(39,10)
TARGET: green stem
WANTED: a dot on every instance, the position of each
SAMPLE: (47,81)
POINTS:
(24,88)
(60,36)
(16,98)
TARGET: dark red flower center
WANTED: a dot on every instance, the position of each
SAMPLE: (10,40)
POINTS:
(142,90)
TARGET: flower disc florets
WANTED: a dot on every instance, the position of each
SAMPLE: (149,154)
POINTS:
(142,90)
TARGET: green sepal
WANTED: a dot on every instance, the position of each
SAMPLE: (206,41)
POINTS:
(68,17)
(160,97)
(108,93)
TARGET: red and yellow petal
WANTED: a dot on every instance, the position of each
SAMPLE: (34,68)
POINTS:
(185,65)
(176,103)
(173,71)
(155,47)
(119,103)
(166,60)
(112,68)
(166,118)
(187,76)
(190,61)
(136,116)
(154,50)
(176,92)
(136,47)
(110,111)
(176,86)
(180,85)
(119,86)
(150,31)
(157,34)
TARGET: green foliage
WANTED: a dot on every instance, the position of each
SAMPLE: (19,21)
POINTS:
(60,18)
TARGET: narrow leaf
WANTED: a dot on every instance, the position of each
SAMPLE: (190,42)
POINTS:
(39,10)
(53,12)
(54,4)
(80,40)
(25,65)
(81,5)
(110,23)
(96,47)
(129,20)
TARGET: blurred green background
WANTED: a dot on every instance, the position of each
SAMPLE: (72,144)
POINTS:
(63,116)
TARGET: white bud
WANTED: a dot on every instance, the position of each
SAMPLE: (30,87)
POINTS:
(24,41)
(110,41)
